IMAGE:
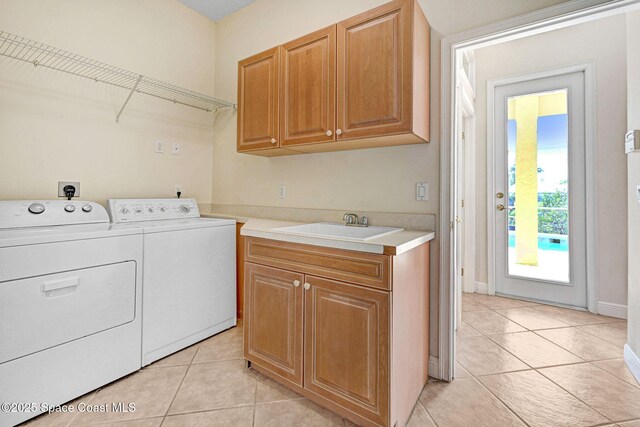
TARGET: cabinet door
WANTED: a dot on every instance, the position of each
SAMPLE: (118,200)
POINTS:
(375,72)
(258,101)
(273,320)
(347,346)
(307,90)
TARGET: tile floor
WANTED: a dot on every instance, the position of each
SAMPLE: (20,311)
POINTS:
(521,363)
(518,363)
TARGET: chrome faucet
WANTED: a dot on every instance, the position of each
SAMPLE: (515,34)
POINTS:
(352,220)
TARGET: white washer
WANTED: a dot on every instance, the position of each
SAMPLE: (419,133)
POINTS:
(70,303)
(189,278)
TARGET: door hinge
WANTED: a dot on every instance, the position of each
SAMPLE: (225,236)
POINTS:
(463,135)
(462,203)
(462,271)
(451,226)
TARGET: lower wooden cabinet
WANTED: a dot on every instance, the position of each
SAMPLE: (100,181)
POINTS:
(346,346)
(273,308)
(333,341)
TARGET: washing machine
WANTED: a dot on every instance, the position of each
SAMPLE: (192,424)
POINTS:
(189,272)
(70,304)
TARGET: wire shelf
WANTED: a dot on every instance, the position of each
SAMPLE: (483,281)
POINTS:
(42,55)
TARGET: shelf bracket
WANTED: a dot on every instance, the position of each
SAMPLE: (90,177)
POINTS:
(128,98)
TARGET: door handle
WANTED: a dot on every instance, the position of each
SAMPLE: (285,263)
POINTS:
(296,283)
(307,286)
(500,207)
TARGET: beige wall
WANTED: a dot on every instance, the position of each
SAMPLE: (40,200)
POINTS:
(602,42)
(58,127)
(376,179)
(633,122)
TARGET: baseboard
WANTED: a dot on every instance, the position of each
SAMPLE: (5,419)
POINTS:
(434,367)
(481,288)
(633,361)
(612,310)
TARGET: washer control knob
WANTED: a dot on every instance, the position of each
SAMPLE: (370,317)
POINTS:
(150,210)
(185,208)
(87,208)
(69,208)
(124,211)
(36,208)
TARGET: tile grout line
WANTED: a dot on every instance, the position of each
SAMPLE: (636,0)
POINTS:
(509,408)
(427,411)
(179,386)
(576,397)
(603,339)
(255,397)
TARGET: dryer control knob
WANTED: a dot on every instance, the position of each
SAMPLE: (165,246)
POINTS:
(185,208)
(87,208)
(36,208)
(69,208)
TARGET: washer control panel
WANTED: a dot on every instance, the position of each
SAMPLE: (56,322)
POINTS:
(38,213)
(131,210)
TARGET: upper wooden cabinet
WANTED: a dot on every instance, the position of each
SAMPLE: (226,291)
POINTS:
(361,83)
(307,91)
(258,101)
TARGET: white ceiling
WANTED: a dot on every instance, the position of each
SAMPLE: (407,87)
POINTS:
(216,9)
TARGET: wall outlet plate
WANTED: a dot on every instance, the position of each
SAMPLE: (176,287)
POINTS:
(422,191)
(62,184)
(159,147)
(176,150)
(282,192)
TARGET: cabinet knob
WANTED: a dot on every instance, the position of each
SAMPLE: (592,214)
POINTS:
(329,133)
(307,286)
(273,140)
(338,131)
(296,283)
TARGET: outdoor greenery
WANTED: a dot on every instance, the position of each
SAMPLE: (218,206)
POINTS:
(551,221)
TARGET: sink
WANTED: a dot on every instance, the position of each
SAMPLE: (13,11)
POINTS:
(339,231)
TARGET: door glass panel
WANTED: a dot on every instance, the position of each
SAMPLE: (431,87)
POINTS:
(538,177)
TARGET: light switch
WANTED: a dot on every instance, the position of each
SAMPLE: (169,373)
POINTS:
(422,191)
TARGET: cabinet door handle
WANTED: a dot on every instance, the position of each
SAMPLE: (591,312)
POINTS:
(338,131)
(273,140)
(329,133)
(307,286)
(296,283)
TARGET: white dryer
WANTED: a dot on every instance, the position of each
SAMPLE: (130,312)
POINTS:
(70,304)
(189,272)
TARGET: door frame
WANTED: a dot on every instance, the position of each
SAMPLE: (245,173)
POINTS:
(552,18)
(591,202)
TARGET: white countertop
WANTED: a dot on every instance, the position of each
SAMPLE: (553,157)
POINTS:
(392,244)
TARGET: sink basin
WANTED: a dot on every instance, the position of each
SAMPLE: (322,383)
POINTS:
(339,231)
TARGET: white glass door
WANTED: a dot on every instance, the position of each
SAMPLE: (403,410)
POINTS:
(539,176)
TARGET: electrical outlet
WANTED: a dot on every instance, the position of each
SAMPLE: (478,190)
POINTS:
(159,145)
(62,184)
(176,149)
(282,192)
(422,191)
